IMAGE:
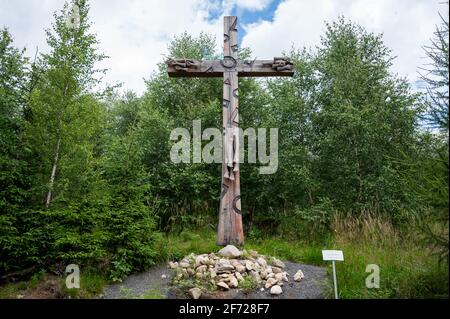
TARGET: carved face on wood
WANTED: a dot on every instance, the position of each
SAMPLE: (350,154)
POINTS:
(183,64)
(282,64)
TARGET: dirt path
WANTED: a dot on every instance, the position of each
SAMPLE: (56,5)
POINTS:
(152,284)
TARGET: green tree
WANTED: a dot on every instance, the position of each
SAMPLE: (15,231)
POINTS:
(13,85)
(436,76)
(428,180)
(14,179)
(362,118)
(66,118)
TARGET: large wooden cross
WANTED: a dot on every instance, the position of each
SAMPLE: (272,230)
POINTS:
(230,230)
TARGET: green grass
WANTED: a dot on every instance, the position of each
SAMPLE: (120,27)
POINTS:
(11,291)
(198,241)
(248,284)
(152,294)
(405,272)
(407,268)
(91,285)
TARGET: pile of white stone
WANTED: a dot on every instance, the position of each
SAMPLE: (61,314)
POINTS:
(229,268)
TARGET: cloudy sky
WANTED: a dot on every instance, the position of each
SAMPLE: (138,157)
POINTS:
(135,33)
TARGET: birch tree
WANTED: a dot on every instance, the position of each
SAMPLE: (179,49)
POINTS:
(64,117)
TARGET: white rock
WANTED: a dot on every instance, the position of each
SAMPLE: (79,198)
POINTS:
(191,256)
(212,273)
(223,261)
(299,275)
(233,282)
(276,290)
(201,260)
(184,264)
(278,263)
(270,282)
(238,276)
(230,251)
(253,253)
(222,285)
(199,275)
(240,268)
(202,268)
(195,293)
(224,268)
(263,274)
(262,262)
(249,265)
(256,267)
(262,289)
(256,277)
(190,271)
(279,277)
(163,276)
(277,270)
(173,265)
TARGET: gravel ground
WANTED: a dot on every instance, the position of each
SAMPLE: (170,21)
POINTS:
(151,284)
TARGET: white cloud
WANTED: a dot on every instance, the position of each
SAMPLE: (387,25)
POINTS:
(135,33)
(252,4)
(407,25)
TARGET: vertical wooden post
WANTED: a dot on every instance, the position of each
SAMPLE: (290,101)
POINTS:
(230,230)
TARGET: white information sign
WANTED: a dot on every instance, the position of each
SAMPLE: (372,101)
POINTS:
(336,255)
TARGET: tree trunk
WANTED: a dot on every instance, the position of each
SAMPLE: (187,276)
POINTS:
(55,160)
(52,176)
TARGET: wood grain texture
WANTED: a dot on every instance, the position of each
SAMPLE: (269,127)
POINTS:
(230,230)
(244,68)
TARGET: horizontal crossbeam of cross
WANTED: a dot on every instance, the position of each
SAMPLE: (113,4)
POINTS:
(216,68)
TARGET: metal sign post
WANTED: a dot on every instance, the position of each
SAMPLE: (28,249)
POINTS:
(336,296)
(333,255)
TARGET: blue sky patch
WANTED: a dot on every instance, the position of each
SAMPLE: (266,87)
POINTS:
(245,16)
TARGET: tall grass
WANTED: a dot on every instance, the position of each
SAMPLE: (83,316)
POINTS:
(408,269)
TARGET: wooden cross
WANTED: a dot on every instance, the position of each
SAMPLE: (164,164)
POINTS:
(230,230)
